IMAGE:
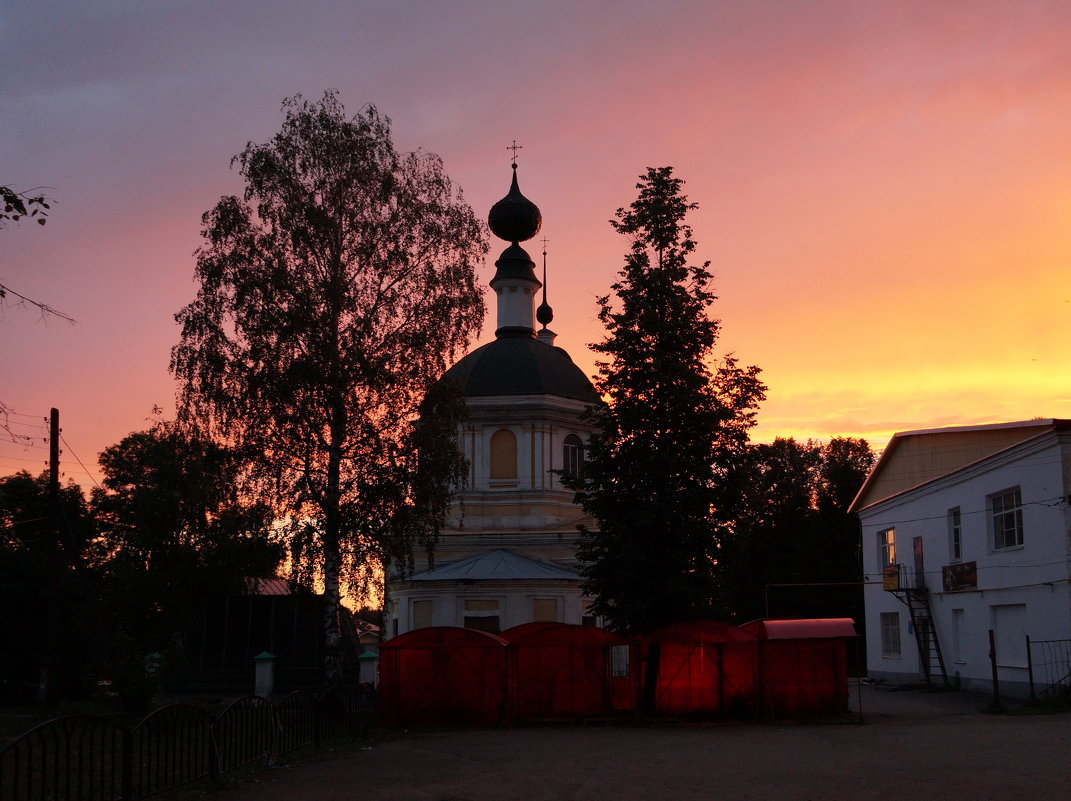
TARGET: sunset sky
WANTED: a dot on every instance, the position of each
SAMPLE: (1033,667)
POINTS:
(884,188)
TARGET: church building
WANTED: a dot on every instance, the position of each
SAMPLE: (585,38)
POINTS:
(508,553)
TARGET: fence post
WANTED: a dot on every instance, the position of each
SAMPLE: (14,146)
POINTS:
(1030,669)
(213,753)
(368,663)
(264,682)
(126,777)
(317,717)
(993,667)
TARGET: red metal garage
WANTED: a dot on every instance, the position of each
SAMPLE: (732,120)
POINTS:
(701,668)
(568,671)
(803,665)
(443,675)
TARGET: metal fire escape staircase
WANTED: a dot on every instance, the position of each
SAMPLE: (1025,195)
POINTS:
(911,589)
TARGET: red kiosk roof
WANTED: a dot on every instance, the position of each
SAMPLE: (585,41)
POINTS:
(814,629)
(444,637)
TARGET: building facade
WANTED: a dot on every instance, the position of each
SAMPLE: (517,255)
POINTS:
(964,532)
(508,553)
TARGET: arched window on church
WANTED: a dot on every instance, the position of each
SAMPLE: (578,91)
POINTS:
(503,456)
(573,456)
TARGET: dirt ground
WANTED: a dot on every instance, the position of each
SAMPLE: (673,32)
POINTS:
(911,745)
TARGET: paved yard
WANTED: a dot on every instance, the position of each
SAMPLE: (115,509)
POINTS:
(912,745)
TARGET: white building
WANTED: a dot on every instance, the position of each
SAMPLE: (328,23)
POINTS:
(965,530)
(508,554)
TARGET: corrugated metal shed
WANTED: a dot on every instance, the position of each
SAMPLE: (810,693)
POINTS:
(570,672)
(443,675)
(803,665)
(702,668)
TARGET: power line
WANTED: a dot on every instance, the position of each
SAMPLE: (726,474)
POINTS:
(23,459)
(38,425)
(1049,502)
(13,413)
(75,455)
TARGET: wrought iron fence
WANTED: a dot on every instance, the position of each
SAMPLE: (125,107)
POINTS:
(84,758)
(1048,667)
(171,747)
(231,675)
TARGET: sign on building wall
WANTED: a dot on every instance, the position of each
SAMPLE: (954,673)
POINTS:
(890,577)
(962,576)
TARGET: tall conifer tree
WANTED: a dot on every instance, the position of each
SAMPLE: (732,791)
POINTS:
(673,426)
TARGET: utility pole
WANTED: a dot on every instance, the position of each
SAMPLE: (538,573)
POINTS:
(60,527)
(44,688)
(53,470)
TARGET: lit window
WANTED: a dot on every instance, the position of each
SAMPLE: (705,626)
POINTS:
(890,634)
(886,548)
(1006,509)
(955,534)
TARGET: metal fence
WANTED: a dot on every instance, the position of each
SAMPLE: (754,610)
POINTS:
(83,758)
(1048,667)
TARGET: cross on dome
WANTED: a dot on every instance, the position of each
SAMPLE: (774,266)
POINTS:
(514,147)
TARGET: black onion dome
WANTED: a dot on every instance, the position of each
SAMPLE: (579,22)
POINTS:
(545,314)
(515,218)
(520,365)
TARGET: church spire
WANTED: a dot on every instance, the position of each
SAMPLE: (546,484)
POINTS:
(545,314)
(515,219)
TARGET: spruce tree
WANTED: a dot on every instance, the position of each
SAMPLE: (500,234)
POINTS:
(673,426)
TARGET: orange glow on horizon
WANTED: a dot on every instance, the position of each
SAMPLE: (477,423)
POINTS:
(883,189)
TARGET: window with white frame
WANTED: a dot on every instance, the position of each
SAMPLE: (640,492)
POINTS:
(890,634)
(886,548)
(1006,515)
(572,455)
(955,534)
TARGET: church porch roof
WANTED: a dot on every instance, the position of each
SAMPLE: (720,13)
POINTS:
(498,564)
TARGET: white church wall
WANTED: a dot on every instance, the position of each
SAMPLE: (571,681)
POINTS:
(513,605)
(515,303)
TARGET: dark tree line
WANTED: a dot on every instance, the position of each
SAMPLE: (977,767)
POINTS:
(92,590)
(795,547)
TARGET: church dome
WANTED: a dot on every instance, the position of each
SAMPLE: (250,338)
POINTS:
(520,365)
(515,218)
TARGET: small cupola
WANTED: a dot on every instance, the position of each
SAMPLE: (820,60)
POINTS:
(515,219)
(545,314)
